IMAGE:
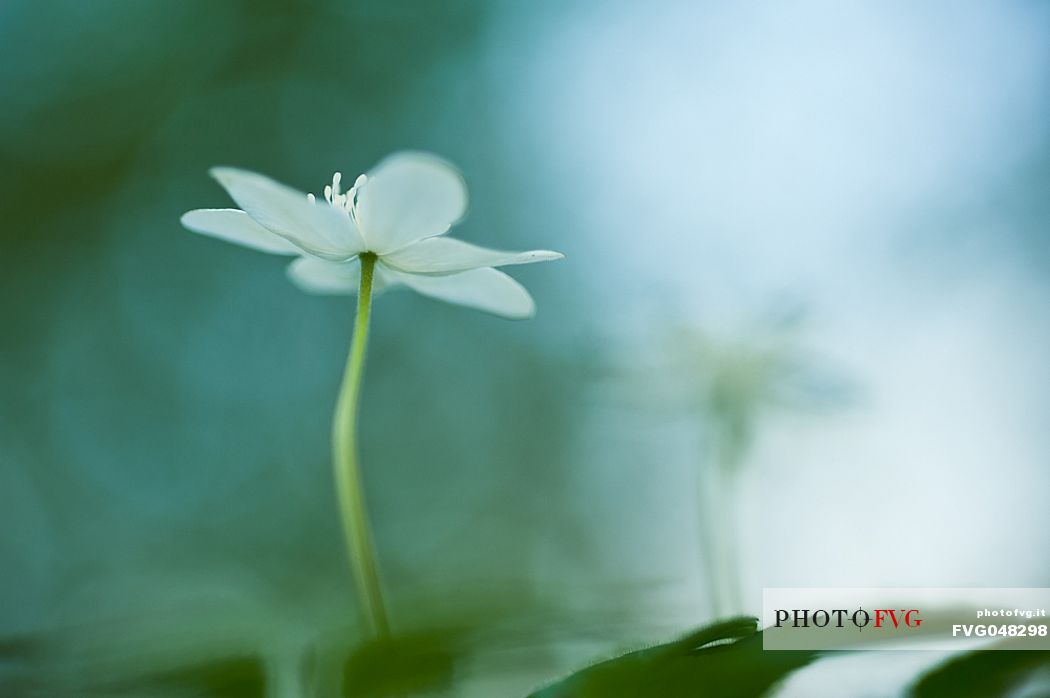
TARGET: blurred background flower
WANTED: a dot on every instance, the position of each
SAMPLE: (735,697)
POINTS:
(163,440)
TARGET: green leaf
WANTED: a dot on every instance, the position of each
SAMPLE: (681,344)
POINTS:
(233,677)
(725,660)
(403,665)
(982,674)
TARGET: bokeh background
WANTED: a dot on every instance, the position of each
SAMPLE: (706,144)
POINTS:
(800,334)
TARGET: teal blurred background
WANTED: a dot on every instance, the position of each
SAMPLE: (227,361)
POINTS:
(853,199)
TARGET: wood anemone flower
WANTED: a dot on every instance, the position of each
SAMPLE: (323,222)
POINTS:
(398,213)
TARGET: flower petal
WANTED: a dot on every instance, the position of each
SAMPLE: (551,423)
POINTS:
(236,226)
(407,197)
(316,228)
(322,277)
(484,289)
(443,255)
(319,276)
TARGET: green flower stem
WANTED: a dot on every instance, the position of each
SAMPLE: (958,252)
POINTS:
(348,469)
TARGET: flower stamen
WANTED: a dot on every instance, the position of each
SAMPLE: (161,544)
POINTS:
(343,202)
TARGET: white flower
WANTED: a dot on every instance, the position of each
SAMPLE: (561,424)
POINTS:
(398,212)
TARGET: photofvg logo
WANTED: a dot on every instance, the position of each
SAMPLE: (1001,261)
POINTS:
(840,617)
(919,618)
